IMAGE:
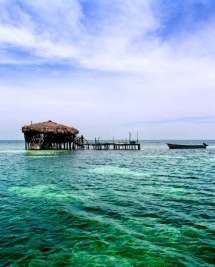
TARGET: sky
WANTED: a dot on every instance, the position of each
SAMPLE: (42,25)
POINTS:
(109,67)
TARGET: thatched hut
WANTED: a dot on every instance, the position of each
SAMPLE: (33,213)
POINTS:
(49,135)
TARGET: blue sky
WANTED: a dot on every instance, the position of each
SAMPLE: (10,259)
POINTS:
(109,67)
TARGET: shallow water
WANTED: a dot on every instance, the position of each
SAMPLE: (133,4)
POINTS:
(153,207)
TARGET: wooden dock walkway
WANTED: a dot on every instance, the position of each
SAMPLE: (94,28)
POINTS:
(111,145)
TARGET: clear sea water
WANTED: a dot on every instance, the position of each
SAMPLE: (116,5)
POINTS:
(153,207)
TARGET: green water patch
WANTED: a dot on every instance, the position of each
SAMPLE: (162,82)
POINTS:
(172,190)
(35,153)
(111,170)
(163,156)
(42,191)
(2,151)
(41,156)
(51,192)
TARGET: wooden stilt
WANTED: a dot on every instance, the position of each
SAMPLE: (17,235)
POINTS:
(73,142)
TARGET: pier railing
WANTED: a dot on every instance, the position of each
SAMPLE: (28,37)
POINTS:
(109,145)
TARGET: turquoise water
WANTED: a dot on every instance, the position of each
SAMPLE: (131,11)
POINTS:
(153,207)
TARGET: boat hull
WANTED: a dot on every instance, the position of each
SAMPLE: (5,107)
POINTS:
(37,146)
(181,146)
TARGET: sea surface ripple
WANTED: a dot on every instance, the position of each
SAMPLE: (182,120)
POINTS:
(153,207)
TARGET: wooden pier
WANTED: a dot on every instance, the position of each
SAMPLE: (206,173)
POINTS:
(114,145)
(110,145)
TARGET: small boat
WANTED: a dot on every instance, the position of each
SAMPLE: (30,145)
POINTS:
(37,144)
(185,146)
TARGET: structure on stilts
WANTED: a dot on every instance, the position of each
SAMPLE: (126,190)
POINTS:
(49,135)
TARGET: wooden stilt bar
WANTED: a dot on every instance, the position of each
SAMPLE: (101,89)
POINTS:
(70,143)
(73,142)
(51,135)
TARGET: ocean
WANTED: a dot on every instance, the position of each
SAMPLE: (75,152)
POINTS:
(150,207)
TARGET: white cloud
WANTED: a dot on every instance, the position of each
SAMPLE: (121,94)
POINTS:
(123,39)
(60,30)
(117,69)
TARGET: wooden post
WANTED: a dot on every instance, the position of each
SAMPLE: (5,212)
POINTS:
(73,142)
(70,143)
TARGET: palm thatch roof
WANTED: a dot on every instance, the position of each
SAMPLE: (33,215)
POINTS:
(49,127)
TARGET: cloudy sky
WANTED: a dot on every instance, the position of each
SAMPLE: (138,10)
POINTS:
(109,67)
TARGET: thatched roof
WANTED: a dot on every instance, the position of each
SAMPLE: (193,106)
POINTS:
(49,127)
